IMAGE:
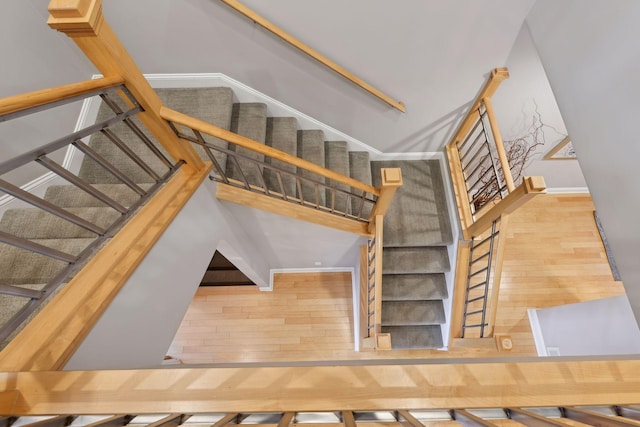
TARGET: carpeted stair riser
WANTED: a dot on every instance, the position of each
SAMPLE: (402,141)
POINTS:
(360,169)
(408,287)
(18,266)
(415,260)
(32,223)
(249,120)
(422,312)
(418,215)
(282,134)
(337,159)
(212,105)
(311,148)
(415,337)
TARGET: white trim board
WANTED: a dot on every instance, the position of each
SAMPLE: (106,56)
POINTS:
(538,339)
(568,190)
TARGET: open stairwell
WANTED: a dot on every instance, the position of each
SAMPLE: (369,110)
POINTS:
(416,227)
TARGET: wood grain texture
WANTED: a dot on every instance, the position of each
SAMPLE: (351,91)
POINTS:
(49,340)
(391,181)
(269,26)
(326,388)
(239,140)
(37,98)
(497,138)
(553,256)
(292,210)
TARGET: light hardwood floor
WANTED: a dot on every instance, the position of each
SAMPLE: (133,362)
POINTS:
(554,256)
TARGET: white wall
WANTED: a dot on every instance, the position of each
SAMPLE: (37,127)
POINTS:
(590,53)
(527,93)
(600,327)
(431,54)
(136,330)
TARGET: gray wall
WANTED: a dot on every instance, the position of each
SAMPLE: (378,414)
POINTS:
(590,53)
(35,57)
(431,54)
(137,329)
(601,327)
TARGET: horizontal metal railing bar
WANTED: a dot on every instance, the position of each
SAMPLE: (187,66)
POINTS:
(478,272)
(475,312)
(474,148)
(474,326)
(20,105)
(470,288)
(485,240)
(476,299)
(36,247)
(472,186)
(60,278)
(59,143)
(480,258)
(480,192)
(317,184)
(129,152)
(209,129)
(49,207)
(466,139)
(478,165)
(17,291)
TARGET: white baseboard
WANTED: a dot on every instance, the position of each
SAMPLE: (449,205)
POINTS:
(541,348)
(568,190)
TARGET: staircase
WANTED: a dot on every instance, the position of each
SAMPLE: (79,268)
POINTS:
(416,233)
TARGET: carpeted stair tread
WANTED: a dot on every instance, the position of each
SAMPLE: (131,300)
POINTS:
(249,120)
(311,148)
(212,105)
(415,260)
(34,223)
(418,215)
(69,196)
(407,287)
(336,158)
(282,134)
(421,312)
(360,169)
(225,277)
(414,337)
(18,266)
(11,305)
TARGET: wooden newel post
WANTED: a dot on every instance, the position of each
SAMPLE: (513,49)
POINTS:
(83,21)
(391,181)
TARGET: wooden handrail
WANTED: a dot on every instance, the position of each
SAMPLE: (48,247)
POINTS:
(16,103)
(84,23)
(459,189)
(421,385)
(269,26)
(495,78)
(50,339)
(239,140)
(497,138)
(459,289)
(531,186)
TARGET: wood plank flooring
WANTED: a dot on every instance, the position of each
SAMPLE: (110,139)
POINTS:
(554,256)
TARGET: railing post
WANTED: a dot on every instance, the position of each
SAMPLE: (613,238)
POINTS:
(531,186)
(391,181)
(83,21)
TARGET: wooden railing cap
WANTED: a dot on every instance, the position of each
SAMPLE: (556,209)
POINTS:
(77,17)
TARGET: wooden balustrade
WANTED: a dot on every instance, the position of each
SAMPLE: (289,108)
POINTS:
(269,26)
(84,23)
(241,141)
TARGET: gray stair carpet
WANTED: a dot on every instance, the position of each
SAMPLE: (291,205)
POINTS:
(415,257)
(336,158)
(22,268)
(311,148)
(360,169)
(282,134)
(249,120)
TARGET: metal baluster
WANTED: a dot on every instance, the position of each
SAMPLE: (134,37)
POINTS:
(129,152)
(242,175)
(262,181)
(36,247)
